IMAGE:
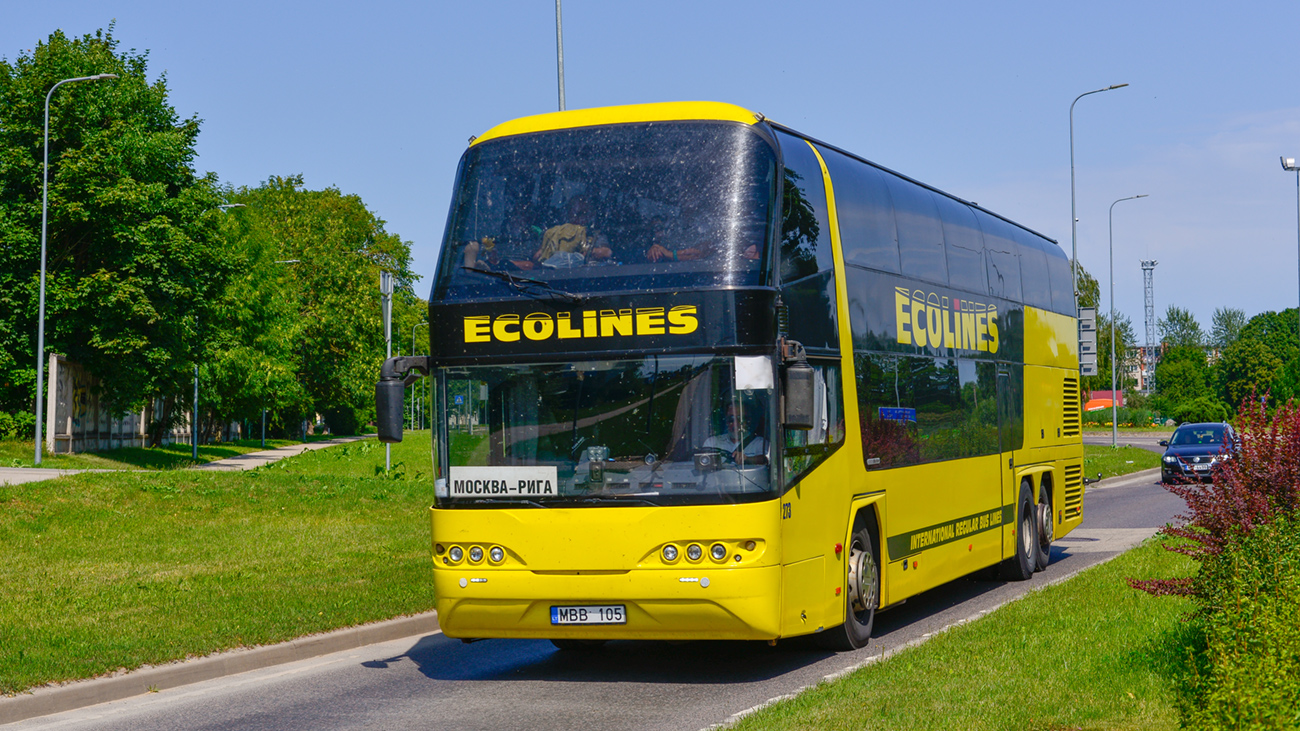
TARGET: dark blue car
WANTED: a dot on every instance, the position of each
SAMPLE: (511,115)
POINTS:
(1193,450)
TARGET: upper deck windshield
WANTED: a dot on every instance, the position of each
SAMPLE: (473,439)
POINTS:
(611,208)
(655,430)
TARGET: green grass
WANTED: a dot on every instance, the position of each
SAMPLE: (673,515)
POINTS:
(1089,653)
(115,570)
(171,456)
(1111,462)
(1105,429)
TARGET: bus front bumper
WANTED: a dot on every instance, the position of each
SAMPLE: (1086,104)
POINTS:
(678,604)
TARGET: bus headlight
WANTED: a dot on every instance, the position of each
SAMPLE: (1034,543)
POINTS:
(456,554)
(496,554)
(476,554)
(719,552)
(670,552)
(694,552)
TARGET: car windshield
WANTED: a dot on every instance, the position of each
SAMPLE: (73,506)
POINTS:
(1188,435)
(610,208)
(654,430)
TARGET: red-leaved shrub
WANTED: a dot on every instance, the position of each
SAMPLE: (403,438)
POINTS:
(1258,482)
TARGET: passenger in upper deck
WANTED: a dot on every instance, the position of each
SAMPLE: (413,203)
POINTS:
(510,249)
(698,238)
(574,243)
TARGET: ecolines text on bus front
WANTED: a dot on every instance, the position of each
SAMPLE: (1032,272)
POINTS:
(679,320)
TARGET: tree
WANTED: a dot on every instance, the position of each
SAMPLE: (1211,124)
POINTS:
(1089,289)
(136,263)
(1245,368)
(1182,376)
(1227,326)
(322,312)
(1179,328)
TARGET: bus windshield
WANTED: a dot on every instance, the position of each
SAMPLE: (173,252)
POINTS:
(611,208)
(658,430)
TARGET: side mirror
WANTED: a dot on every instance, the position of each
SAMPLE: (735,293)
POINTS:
(390,393)
(798,387)
(1164,442)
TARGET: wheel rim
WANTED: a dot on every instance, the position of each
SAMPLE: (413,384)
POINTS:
(1027,534)
(1046,529)
(862,581)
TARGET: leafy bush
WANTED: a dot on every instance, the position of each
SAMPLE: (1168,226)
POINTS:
(1247,674)
(1204,408)
(1127,417)
(17,426)
(1244,530)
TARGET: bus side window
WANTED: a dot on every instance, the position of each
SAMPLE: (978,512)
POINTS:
(865,212)
(805,449)
(805,231)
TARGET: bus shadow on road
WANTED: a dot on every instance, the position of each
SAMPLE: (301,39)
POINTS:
(712,662)
(438,657)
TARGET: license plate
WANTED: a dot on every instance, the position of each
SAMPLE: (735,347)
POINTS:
(590,614)
(1201,467)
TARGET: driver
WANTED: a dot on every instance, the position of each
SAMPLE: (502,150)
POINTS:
(740,431)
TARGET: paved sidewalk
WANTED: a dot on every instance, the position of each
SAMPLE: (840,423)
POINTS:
(19,475)
(257,459)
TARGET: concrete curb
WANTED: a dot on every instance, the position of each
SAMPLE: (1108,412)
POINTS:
(1131,478)
(79,694)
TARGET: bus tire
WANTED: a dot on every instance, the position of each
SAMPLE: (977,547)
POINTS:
(1020,567)
(578,645)
(862,597)
(1045,525)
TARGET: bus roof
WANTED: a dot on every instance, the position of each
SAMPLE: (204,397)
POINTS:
(660,112)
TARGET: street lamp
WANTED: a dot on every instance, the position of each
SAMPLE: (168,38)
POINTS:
(45,205)
(1074,217)
(1288,164)
(559,51)
(1114,402)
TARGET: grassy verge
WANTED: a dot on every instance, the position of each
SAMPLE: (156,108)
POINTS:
(1090,653)
(171,456)
(115,570)
(1112,462)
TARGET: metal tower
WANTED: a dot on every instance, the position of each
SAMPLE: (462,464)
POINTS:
(1149,357)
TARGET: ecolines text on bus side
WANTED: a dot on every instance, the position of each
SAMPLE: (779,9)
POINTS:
(510,328)
(928,319)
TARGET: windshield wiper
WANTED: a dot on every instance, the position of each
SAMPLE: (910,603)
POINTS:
(615,501)
(488,501)
(522,284)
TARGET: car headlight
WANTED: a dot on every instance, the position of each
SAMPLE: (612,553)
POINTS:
(1170,460)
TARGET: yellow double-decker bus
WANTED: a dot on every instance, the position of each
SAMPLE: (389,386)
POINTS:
(698,375)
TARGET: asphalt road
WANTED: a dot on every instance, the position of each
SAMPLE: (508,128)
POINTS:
(1149,442)
(436,682)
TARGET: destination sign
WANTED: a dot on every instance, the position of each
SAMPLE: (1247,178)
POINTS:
(503,482)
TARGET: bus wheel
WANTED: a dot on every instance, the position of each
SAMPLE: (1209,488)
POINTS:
(579,645)
(1021,566)
(1046,527)
(862,597)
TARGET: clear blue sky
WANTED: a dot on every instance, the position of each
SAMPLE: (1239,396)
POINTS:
(379,99)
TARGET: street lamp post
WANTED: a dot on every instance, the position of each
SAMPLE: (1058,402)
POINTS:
(386,299)
(1114,402)
(559,51)
(1074,217)
(1289,164)
(45,206)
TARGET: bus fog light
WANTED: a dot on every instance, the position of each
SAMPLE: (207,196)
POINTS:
(496,554)
(476,554)
(719,552)
(456,553)
(694,552)
(670,553)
